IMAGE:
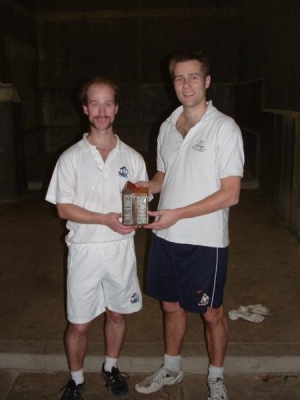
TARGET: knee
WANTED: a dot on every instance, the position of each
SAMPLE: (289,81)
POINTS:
(214,316)
(172,308)
(115,317)
(78,330)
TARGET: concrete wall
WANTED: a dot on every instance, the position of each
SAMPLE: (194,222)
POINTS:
(280,163)
(268,98)
(18,66)
(18,52)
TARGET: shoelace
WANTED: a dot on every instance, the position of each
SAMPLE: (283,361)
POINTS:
(159,376)
(72,389)
(218,390)
(116,376)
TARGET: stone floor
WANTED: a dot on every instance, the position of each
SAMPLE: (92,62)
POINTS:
(37,386)
(263,268)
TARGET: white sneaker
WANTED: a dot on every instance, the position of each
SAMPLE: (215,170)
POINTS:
(216,390)
(157,380)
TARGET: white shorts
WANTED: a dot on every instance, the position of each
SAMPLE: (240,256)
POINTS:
(102,275)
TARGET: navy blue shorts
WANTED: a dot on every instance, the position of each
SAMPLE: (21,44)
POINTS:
(192,275)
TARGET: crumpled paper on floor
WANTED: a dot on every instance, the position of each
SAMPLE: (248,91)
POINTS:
(252,313)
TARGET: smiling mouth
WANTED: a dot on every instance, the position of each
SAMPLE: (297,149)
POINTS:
(188,94)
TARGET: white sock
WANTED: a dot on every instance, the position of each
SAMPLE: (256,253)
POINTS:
(215,372)
(77,376)
(109,363)
(172,363)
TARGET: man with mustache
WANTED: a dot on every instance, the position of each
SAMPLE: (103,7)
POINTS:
(102,275)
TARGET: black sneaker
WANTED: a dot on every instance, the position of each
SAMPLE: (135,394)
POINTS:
(116,382)
(72,391)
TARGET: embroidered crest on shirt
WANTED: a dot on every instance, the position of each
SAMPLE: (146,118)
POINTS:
(124,172)
(199,146)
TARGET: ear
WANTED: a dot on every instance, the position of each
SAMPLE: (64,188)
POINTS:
(207,81)
(116,109)
(85,109)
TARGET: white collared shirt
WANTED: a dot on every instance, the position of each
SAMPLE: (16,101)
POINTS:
(193,167)
(81,177)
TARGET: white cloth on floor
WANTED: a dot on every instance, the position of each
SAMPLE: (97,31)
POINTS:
(252,313)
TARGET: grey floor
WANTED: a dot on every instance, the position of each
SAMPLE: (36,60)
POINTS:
(263,358)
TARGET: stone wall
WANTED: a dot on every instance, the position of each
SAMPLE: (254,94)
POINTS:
(130,44)
(269,49)
(47,48)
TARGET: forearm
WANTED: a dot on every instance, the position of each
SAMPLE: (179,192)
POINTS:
(156,182)
(78,214)
(210,204)
(215,202)
(226,196)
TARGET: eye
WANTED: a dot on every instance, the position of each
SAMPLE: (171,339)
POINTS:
(178,79)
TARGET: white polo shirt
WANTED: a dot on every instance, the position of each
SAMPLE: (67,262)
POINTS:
(193,167)
(81,177)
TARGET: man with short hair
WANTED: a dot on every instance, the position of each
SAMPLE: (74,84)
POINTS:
(102,274)
(199,168)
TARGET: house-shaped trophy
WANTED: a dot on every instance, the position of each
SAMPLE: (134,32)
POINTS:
(134,205)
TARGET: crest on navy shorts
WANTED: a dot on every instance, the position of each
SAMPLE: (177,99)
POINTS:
(204,300)
(135,298)
(124,172)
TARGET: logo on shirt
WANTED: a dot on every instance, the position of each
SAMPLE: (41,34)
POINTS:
(124,172)
(199,146)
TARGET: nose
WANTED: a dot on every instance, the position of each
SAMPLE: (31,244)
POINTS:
(101,110)
(186,82)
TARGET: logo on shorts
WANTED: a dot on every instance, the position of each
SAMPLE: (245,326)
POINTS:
(124,172)
(135,298)
(204,300)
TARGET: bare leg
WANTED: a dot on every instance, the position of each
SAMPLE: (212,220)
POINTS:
(175,324)
(76,344)
(114,329)
(216,333)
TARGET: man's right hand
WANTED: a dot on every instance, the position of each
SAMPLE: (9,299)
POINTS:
(154,186)
(113,221)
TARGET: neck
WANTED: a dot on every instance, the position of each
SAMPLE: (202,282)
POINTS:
(193,115)
(102,139)
(189,118)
